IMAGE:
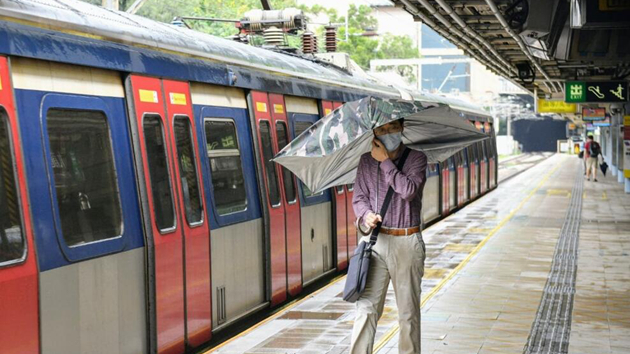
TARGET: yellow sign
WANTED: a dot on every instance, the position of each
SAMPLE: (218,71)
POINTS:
(278,108)
(178,98)
(626,121)
(327,111)
(547,106)
(148,96)
(261,106)
(0,83)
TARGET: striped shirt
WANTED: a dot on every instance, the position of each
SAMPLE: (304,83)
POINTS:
(406,203)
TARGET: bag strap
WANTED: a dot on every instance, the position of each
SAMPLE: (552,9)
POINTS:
(388,198)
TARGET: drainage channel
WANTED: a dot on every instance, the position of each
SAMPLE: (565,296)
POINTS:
(552,326)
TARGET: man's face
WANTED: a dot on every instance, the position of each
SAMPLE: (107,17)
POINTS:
(389,128)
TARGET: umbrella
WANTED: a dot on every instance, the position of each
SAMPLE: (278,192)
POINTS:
(328,153)
(604,167)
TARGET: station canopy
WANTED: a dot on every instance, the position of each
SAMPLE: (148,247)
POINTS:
(537,44)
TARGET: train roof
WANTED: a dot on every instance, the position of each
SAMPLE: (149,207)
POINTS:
(116,30)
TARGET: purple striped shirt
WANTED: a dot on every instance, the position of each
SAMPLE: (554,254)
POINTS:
(406,203)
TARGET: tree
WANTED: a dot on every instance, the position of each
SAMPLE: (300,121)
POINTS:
(399,47)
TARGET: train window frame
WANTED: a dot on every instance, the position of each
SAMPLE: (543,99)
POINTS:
(193,148)
(5,121)
(232,121)
(283,169)
(89,103)
(167,158)
(266,174)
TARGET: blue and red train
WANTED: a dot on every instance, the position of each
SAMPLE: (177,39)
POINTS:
(139,209)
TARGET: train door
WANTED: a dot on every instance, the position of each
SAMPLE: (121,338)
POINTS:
(459,164)
(493,158)
(453,189)
(353,236)
(466,175)
(290,199)
(178,233)
(431,195)
(274,200)
(483,166)
(473,167)
(341,205)
(19,322)
(192,211)
(444,168)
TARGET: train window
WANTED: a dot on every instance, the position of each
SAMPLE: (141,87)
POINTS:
(270,168)
(300,127)
(188,170)
(226,168)
(12,247)
(350,187)
(158,170)
(84,175)
(287,176)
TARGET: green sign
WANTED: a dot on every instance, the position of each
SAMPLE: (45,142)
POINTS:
(596,91)
(575,91)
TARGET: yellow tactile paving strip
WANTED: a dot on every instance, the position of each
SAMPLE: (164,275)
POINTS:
(601,310)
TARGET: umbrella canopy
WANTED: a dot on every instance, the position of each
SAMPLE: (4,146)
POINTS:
(328,153)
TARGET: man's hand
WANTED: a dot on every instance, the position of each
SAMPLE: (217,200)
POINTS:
(379,152)
(372,219)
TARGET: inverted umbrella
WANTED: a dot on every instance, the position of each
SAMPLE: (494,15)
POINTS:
(328,153)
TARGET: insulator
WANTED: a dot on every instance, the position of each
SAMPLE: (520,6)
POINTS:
(273,36)
(331,39)
(309,43)
(289,19)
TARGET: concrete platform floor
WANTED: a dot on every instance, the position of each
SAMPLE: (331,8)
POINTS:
(487,269)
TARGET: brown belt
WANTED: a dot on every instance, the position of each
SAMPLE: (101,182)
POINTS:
(400,232)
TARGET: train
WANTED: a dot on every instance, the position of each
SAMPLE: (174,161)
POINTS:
(139,208)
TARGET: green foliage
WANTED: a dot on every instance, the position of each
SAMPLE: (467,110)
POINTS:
(399,47)
(362,44)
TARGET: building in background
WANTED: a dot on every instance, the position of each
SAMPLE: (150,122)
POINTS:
(441,68)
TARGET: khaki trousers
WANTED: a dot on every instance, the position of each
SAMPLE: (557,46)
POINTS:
(401,259)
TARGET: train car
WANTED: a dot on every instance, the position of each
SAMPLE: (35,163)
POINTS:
(139,208)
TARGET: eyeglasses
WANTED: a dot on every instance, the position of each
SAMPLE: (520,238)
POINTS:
(388,128)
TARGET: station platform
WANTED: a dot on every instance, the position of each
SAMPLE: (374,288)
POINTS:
(539,265)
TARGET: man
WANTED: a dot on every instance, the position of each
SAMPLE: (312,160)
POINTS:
(592,150)
(399,252)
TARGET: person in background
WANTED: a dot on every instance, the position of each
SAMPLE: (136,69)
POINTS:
(592,151)
(399,252)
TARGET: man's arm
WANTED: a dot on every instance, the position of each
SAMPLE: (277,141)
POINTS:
(407,184)
(361,198)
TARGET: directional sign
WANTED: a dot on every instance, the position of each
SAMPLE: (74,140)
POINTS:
(596,91)
(549,106)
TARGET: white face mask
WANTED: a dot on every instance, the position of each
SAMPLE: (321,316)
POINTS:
(391,141)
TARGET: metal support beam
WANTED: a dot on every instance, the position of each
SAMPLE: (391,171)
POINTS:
(265,4)
(497,13)
(133,8)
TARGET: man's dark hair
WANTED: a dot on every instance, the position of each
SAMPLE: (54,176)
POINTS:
(590,137)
